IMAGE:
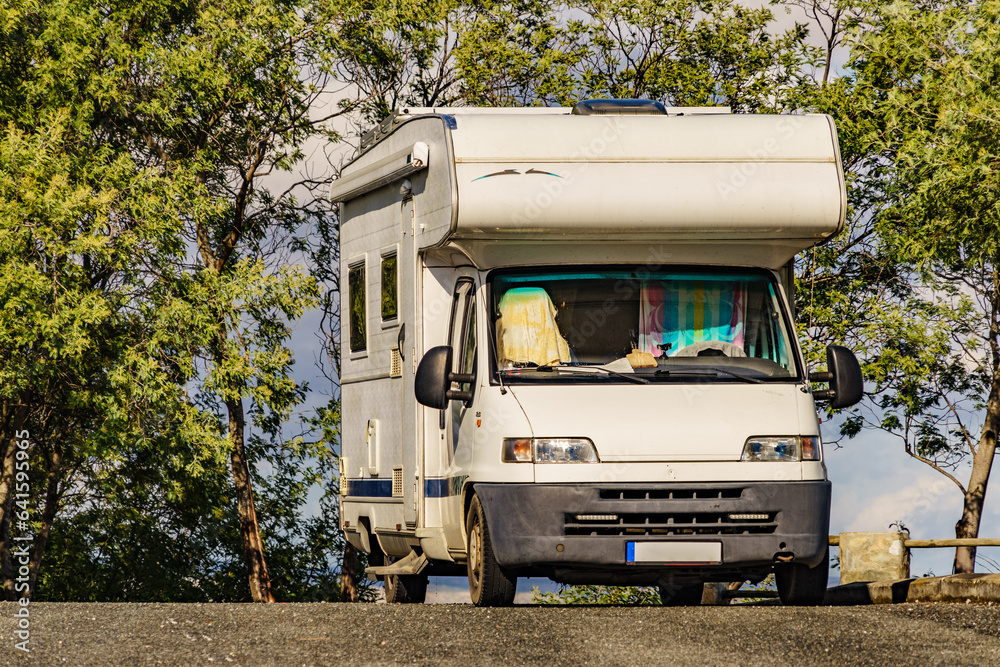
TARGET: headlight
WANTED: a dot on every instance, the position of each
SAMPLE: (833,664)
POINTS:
(549,450)
(782,448)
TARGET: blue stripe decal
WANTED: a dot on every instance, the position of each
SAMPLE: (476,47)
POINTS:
(630,552)
(439,487)
(443,487)
(370,488)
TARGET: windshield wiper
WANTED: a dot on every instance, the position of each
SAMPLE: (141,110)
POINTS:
(694,372)
(572,369)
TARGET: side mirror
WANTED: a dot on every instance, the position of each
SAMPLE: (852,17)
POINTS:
(432,383)
(844,375)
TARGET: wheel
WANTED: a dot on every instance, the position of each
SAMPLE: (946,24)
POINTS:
(801,585)
(405,588)
(688,595)
(489,584)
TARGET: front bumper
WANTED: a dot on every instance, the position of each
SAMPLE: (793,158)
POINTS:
(556,529)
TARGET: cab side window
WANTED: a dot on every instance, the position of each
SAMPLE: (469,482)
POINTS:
(468,357)
(463,327)
(462,336)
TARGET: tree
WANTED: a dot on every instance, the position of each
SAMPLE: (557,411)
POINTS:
(457,52)
(525,52)
(154,332)
(72,323)
(832,18)
(693,53)
(923,109)
(942,126)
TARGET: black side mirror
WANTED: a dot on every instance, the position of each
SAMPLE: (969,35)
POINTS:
(432,383)
(844,375)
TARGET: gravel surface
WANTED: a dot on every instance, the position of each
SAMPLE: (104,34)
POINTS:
(340,634)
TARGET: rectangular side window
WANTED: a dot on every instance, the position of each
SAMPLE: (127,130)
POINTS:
(389,287)
(356,296)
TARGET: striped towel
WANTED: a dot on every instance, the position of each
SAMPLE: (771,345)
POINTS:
(690,312)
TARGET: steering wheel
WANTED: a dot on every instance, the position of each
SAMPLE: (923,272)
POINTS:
(695,349)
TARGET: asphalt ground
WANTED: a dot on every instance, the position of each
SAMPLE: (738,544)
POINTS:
(362,634)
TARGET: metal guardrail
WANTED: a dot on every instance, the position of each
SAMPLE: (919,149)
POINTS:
(834,541)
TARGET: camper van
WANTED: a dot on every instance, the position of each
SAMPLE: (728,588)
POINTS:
(569,351)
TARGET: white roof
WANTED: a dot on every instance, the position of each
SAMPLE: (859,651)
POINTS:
(734,176)
(770,184)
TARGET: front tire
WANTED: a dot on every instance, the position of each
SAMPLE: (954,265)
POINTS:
(800,585)
(489,584)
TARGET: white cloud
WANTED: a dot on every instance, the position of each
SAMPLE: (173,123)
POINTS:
(876,483)
(918,505)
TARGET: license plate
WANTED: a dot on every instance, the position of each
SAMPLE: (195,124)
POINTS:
(674,553)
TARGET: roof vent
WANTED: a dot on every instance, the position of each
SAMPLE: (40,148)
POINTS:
(619,108)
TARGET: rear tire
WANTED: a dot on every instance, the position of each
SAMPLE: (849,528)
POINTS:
(688,595)
(800,585)
(405,588)
(489,584)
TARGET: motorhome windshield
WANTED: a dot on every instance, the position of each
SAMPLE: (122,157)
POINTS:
(684,325)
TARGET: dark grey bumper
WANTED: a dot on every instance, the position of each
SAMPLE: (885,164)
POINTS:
(546,527)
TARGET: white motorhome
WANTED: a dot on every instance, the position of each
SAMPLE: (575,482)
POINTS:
(568,349)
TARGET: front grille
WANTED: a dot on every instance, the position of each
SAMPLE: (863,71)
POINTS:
(669,523)
(670,494)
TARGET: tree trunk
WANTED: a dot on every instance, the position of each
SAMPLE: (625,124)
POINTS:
(48,516)
(348,590)
(253,547)
(975,495)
